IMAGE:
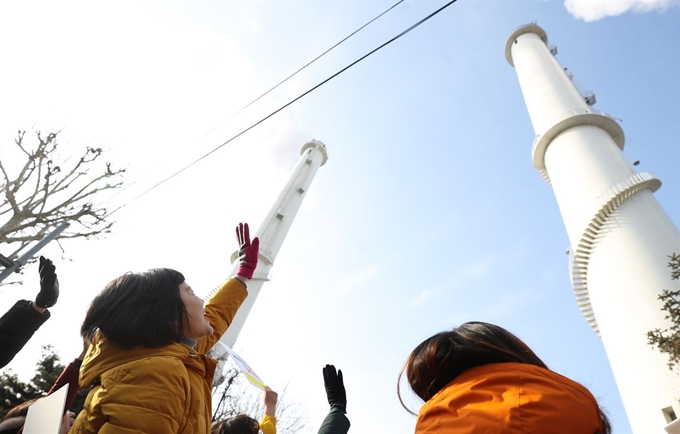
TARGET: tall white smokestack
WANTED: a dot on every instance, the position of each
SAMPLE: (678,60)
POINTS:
(274,229)
(620,236)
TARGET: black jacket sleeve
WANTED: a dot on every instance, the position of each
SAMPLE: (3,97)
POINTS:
(335,423)
(17,326)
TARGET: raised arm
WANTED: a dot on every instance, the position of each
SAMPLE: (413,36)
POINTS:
(268,421)
(19,323)
(223,305)
(335,422)
(70,376)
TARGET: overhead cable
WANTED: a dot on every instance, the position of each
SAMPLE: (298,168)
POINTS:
(291,75)
(288,104)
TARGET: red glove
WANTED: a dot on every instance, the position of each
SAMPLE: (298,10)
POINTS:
(248,252)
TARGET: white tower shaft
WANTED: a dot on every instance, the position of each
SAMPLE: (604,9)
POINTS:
(620,236)
(274,228)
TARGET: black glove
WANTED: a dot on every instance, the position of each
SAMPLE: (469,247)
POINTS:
(49,285)
(335,388)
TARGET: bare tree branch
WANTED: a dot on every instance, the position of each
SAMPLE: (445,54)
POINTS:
(234,396)
(44,191)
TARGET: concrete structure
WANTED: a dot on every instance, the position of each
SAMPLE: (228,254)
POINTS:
(273,231)
(620,236)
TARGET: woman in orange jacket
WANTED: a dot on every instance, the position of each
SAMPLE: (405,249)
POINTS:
(480,378)
(147,362)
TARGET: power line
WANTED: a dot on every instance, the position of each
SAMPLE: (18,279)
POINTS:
(275,86)
(299,70)
(288,104)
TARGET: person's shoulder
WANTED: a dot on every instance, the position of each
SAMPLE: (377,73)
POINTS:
(156,370)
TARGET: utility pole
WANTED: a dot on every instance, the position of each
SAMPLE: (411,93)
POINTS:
(620,235)
(14,266)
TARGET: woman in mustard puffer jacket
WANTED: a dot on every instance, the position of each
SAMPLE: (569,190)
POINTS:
(148,361)
(480,378)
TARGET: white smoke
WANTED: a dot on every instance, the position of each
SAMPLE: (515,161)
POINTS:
(593,10)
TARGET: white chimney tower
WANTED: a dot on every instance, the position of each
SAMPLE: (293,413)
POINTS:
(273,231)
(620,236)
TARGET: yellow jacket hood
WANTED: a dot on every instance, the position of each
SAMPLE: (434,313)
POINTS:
(105,355)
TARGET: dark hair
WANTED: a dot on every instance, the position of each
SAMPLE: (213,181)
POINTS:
(12,425)
(241,424)
(438,360)
(20,410)
(16,417)
(139,309)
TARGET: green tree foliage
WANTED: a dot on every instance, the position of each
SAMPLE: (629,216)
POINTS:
(668,340)
(13,391)
(47,370)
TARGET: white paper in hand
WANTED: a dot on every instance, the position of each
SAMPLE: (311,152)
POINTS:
(245,369)
(45,415)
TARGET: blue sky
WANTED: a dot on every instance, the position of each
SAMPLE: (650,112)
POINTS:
(428,213)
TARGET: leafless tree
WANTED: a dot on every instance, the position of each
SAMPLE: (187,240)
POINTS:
(234,396)
(40,192)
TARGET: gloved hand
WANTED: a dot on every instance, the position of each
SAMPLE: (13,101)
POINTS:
(248,252)
(335,388)
(49,284)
